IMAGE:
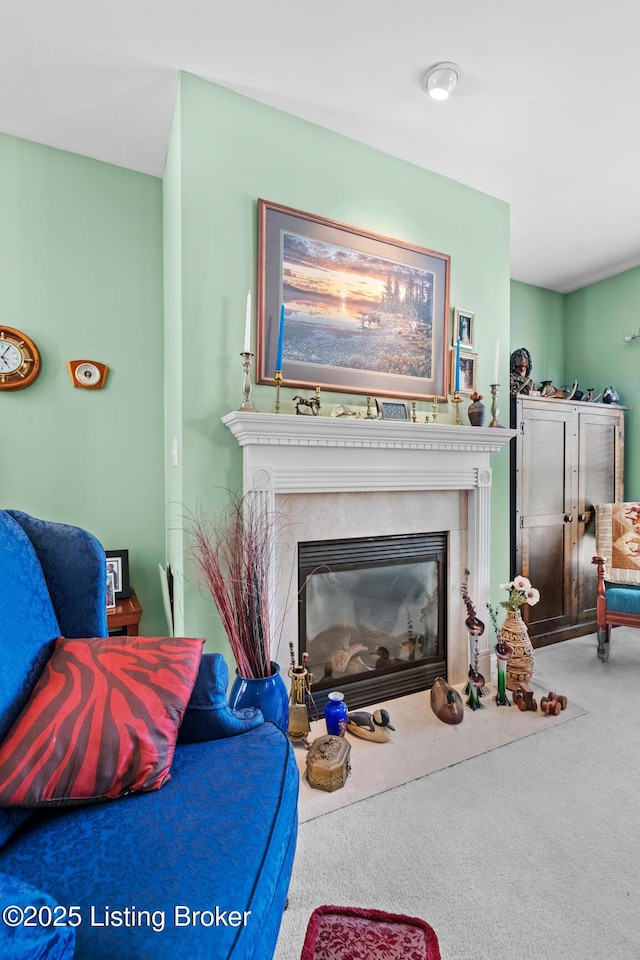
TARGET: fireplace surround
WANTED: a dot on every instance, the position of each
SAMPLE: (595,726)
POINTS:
(328,478)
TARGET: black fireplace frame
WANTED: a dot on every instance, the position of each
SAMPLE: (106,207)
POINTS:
(362,690)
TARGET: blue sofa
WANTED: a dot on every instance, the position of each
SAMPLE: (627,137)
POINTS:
(199,868)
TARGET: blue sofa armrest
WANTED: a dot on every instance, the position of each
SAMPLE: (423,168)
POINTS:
(75,569)
(208,715)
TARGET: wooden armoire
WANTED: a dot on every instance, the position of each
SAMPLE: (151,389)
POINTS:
(566,457)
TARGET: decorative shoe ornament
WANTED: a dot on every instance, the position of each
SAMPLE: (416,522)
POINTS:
(370,726)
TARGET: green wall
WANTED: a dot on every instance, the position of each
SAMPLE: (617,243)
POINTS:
(598,317)
(537,323)
(81,274)
(226,152)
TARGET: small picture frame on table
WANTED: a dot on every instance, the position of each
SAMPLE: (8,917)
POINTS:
(392,410)
(464,323)
(111,591)
(468,371)
(118,566)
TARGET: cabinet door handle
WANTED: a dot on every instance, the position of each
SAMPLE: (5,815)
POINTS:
(582,518)
(568,517)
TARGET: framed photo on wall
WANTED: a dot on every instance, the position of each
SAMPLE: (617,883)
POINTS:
(468,371)
(464,323)
(118,566)
(363,313)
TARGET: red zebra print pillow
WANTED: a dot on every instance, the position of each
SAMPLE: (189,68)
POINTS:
(102,721)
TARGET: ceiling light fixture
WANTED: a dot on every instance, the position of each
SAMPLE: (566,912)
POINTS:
(441,79)
(635,336)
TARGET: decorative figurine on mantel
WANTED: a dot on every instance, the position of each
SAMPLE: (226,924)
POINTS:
(310,406)
(474,688)
(520,372)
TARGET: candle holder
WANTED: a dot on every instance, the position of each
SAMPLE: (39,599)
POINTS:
(277,379)
(434,411)
(247,403)
(457,399)
(495,422)
(414,418)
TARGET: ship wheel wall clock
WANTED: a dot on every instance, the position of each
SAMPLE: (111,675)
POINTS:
(19,359)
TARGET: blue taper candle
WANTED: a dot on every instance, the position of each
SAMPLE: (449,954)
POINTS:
(457,383)
(280,339)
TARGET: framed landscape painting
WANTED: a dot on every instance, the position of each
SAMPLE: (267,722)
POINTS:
(363,313)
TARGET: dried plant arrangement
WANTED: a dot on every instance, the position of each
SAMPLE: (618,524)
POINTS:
(232,553)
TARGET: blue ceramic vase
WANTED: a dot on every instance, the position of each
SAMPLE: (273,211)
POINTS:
(335,714)
(268,694)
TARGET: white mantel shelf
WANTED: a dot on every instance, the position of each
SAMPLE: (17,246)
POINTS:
(308,431)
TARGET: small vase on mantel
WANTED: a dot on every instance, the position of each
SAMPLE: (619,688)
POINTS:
(520,664)
(476,411)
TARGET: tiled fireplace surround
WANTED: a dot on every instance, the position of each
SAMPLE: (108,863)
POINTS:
(329,478)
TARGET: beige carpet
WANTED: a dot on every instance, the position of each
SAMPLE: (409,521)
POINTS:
(524,852)
(422,744)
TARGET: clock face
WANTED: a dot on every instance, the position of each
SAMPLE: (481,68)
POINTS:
(87,374)
(19,359)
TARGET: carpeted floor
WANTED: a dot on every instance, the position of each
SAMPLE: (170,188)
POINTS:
(530,850)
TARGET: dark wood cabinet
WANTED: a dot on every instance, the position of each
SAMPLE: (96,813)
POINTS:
(568,456)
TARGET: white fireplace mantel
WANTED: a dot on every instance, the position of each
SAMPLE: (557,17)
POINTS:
(288,454)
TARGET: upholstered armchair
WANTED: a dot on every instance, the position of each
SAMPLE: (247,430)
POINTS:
(618,562)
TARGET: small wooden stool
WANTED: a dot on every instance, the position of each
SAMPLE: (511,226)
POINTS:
(349,933)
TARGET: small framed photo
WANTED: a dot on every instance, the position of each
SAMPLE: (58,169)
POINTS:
(468,371)
(464,328)
(390,410)
(118,565)
(111,592)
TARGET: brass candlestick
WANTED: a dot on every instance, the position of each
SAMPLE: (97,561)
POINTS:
(414,418)
(495,422)
(434,408)
(247,403)
(457,399)
(370,415)
(277,379)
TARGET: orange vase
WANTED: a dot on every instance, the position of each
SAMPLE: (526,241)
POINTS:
(520,665)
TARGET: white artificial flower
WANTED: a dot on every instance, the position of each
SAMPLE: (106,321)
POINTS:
(521,583)
(533,596)
(506,586)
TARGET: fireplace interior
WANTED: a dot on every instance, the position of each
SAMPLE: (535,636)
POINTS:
(373,615)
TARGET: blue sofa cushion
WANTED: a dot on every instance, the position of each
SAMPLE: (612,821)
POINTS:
(208,715)
(28,626)
(75,570)
(42,938)
(218,838)
(102,720)
(623,599)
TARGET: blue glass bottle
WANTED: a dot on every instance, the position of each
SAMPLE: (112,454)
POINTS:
(335,714)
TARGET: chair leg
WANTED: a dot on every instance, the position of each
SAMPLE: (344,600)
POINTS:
(604,639)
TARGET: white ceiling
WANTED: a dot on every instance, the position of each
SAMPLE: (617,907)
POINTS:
(546,115)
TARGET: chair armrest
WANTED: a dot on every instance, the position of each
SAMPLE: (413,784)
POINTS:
(602,573)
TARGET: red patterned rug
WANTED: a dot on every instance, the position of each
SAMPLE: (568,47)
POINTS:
(348,933)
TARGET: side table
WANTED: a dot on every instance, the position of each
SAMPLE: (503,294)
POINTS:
(125,616)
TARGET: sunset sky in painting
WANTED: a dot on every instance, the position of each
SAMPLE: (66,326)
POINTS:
(322,279)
